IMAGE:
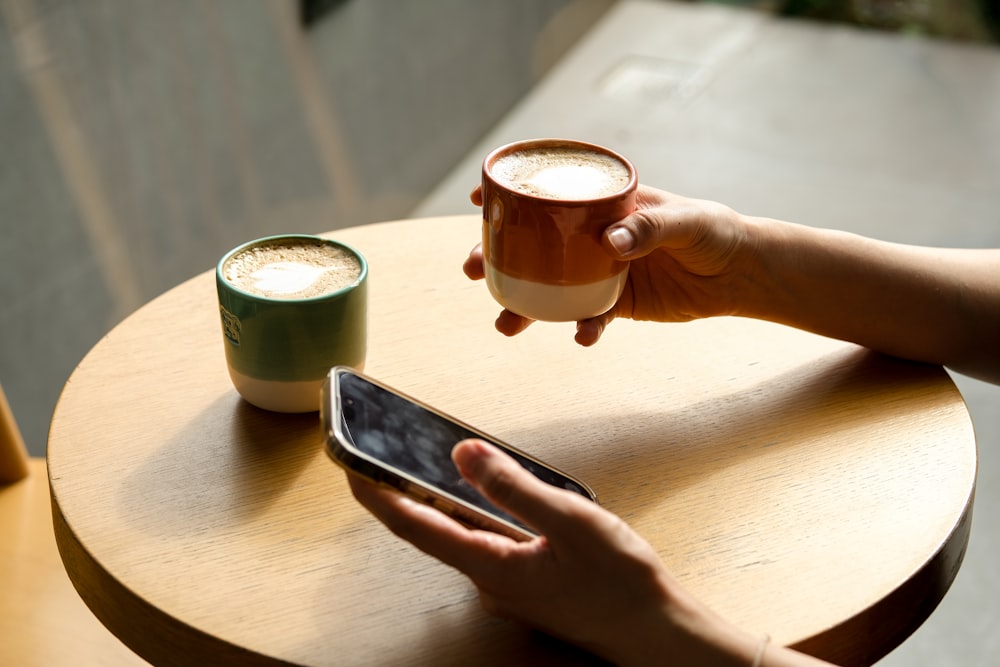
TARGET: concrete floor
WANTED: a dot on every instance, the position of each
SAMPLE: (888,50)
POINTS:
(875,133)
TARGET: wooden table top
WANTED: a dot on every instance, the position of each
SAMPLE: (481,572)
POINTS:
(801,486)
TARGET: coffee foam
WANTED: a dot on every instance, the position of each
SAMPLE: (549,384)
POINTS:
(292,269)
(564,173)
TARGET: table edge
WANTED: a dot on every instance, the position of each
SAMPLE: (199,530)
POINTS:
(884,623)
(119,609)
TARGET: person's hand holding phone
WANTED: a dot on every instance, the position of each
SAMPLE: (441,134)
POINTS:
(684,259)
(589,579)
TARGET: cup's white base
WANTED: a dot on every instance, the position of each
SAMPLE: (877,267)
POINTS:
(278,396)
(554,303)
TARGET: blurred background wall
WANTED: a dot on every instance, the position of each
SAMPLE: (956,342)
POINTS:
(140,139)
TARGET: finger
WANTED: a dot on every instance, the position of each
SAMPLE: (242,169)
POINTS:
(431,531)
(507,323)
(512,488)
(476,196)
(674,222)
(631,237)
(589,331)
(511,324)
(473,266)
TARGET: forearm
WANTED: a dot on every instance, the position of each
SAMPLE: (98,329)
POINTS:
(684,632)
(927,304)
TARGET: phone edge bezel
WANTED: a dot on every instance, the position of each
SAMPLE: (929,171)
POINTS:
(347,456)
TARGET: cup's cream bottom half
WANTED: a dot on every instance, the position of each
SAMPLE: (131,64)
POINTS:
(554,303)
(278,396)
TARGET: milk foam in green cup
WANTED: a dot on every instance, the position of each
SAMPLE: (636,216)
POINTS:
(291,307)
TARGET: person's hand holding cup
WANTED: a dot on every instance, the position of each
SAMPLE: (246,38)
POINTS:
(546,203)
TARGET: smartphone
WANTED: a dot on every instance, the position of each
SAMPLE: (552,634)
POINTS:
(389,438)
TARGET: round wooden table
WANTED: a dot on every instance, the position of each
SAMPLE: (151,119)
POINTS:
(801,486)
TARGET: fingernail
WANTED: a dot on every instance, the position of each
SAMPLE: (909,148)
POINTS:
(471,451)
(622,239)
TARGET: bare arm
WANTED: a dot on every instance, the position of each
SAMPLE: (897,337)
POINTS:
(692,258)
(927,304)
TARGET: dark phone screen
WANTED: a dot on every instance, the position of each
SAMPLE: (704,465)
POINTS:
(414,440)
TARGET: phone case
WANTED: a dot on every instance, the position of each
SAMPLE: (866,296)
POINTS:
(341,448)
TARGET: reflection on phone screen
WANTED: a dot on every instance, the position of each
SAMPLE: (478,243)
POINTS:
(418,442)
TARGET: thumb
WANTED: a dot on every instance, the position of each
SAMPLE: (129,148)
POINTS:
(509,486)
(634,236)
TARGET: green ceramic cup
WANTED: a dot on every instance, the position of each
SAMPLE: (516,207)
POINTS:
(291,306)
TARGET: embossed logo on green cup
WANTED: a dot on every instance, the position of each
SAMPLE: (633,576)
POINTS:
(291,307)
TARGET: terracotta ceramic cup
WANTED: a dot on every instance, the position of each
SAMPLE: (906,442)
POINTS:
(546,203)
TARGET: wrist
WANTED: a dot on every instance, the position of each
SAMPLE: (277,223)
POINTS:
(779,266)
(753,272)
(682,631)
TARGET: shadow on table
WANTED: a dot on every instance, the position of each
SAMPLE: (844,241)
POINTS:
(235,460)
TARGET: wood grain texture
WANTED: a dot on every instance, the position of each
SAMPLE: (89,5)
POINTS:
(801,486)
